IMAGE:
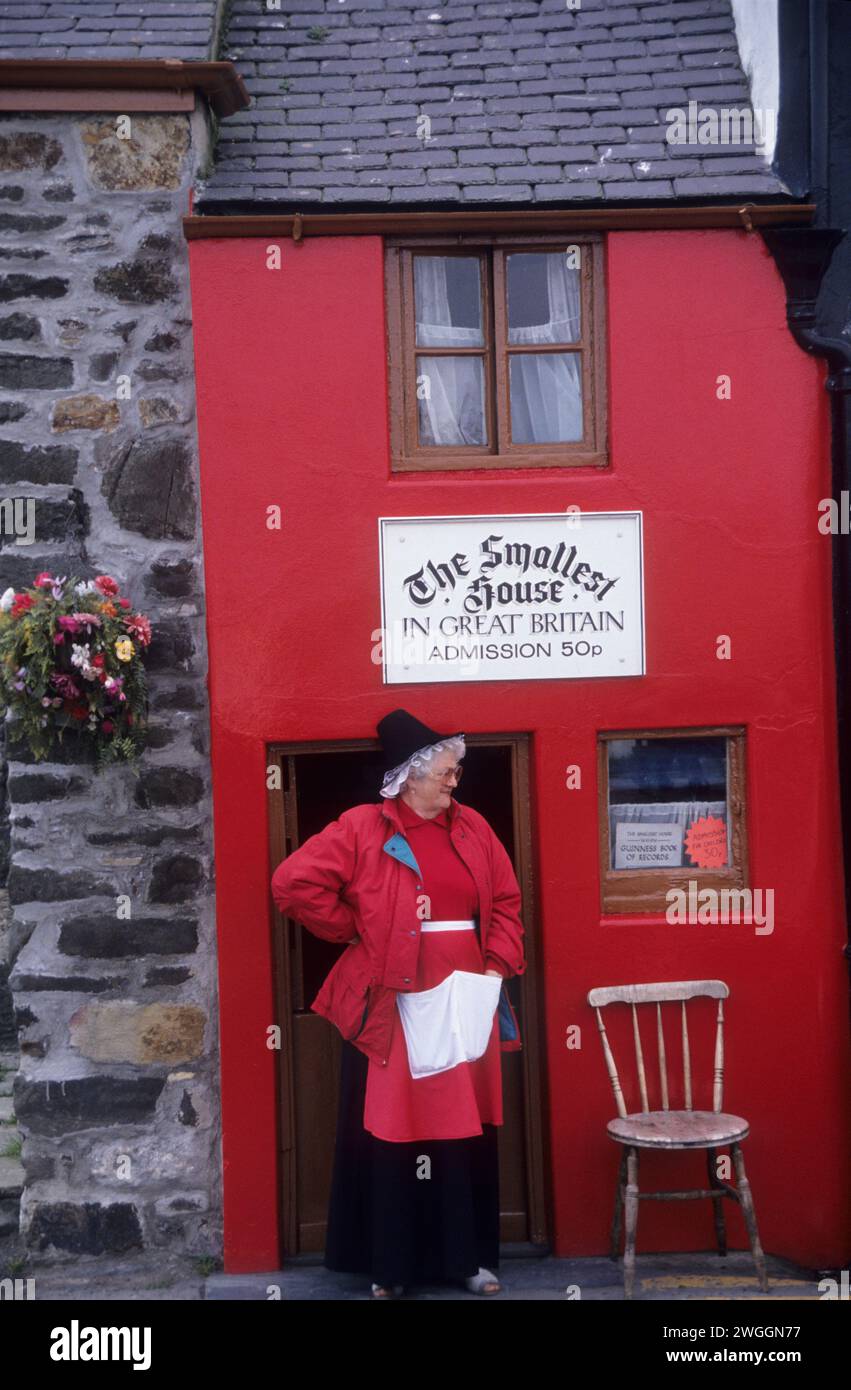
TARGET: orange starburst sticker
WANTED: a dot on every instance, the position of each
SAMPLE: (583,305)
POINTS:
(706,842)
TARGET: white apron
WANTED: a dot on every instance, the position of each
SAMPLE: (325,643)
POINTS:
(451,1022)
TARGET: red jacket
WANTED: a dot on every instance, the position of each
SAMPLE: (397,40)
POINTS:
(357,881)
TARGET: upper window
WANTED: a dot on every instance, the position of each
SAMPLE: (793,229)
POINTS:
(496,352)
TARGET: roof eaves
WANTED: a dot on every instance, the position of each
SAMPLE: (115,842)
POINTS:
(220,82)
(241,220)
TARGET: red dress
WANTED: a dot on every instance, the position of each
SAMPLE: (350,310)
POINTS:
(454,1103)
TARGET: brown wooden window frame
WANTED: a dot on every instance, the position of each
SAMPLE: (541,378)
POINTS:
(644,890)
(407,454)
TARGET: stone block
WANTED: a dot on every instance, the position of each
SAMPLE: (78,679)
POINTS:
(87,412)
(149,489)
(101,937)
(87,1229)
(73,1103)
(152,157)
(123,1031)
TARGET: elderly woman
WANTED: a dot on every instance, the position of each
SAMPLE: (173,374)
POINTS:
(419,887)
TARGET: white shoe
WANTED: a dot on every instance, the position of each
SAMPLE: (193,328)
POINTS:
(478,1283)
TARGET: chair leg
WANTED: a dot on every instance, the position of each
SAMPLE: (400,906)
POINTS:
(614,1248)
(717,1202)
(631,1202)
(746,1201)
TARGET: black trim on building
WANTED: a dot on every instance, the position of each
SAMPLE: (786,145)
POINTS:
(812,157)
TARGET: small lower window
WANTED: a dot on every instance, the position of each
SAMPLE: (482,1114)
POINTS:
(672,809)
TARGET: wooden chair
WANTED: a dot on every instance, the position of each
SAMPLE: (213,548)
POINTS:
(674,1129)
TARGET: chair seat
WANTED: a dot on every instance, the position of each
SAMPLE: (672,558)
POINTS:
(678,1129)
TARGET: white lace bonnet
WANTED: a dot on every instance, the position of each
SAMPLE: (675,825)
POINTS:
(420,763)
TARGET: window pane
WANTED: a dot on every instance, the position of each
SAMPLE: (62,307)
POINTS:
(451,400)
(546,397)
(668,804)
(448,297)
(543,298)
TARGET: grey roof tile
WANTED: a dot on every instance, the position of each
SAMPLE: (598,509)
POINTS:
(508,193)
(431,193)
(470,175)
(660,189)
(558,192)
(523,101)
(730,183)
(88,29)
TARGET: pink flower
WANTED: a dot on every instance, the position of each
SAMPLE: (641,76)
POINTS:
(68,623)
(107,726)
(140,628)
(92,619)
(66,685)
(106,584)
(43,580)
(124,602)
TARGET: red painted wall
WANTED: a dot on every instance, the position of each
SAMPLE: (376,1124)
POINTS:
(292,406)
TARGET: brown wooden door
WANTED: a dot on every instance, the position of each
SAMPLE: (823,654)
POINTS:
(319,781)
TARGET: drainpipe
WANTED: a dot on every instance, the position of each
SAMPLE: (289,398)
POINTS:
(802,257)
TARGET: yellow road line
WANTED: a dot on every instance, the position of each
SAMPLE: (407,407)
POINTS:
(691,1281)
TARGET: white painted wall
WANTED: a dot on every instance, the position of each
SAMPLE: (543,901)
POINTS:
(756,35)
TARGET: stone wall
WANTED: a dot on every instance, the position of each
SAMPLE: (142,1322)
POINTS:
(110,877)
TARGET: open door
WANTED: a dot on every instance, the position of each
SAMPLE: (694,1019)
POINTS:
(319,781)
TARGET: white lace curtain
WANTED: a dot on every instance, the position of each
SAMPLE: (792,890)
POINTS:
(451,398)
(546,388)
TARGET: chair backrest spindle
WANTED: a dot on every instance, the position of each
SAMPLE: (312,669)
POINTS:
(639,1061)
(686,1060)
(663,1066)
(660,993)
(718,1073)
(610,1067)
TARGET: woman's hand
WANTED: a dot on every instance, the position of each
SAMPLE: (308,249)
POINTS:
(494,972)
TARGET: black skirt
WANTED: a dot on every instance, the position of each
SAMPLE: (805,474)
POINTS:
(389,1221)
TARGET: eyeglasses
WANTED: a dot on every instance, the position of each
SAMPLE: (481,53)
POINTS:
(453,772)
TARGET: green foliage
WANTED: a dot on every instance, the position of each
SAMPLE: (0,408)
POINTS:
(316,33)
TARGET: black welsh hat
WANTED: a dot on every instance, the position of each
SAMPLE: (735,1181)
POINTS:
(402,735)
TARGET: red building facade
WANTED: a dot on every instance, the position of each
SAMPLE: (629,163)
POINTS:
(718,435)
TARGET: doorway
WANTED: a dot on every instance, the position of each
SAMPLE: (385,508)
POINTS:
(319,781)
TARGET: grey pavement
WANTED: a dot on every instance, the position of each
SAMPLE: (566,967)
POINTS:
(152,1276)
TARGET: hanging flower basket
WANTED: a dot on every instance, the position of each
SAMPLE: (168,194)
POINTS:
(71,662)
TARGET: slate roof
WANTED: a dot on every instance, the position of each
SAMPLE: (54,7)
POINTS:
(527,101)
(108,29)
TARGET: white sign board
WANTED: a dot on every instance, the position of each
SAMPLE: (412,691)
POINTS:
(646,846)
(536,596)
